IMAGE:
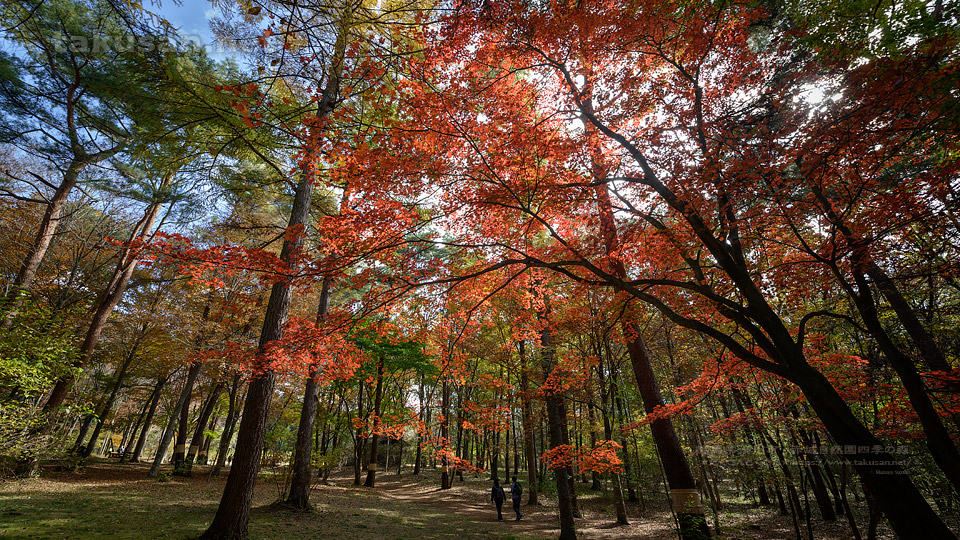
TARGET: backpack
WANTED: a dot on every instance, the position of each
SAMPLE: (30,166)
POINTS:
(517,490)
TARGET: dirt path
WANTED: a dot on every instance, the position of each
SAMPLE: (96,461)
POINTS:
(471,499)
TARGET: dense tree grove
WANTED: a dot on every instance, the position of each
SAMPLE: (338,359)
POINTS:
(680,253)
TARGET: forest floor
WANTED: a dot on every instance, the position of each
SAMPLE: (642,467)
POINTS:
(110,500)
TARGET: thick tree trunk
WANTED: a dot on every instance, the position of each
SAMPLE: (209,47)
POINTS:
(233,514)
(299,496)
(890,485)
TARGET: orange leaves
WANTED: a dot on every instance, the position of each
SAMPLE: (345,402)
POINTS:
(571,372)
(601,458)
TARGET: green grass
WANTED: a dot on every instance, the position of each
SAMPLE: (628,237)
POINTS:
(119,502)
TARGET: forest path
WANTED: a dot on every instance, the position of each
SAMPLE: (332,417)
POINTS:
(471,499)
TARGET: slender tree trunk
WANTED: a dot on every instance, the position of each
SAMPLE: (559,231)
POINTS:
(445,480)
(180,446)
(300,482)
(229,425)
(127,443)
(108,404)
(375,440)
(526,420)
(148,421)
(619,505)
(174,417)
(109,298)
(41,242)
(555,413)
(186,468)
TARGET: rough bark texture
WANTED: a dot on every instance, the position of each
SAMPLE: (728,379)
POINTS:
(233,514)
(299,496)
(555,413)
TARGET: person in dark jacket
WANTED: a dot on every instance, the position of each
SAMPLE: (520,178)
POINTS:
(516,492)
(497,496)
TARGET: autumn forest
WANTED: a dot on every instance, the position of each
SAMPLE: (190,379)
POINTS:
(374,269)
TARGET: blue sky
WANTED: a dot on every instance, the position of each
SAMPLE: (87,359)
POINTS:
(192,18)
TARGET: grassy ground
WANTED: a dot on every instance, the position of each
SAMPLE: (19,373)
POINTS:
(118,501)
(109,500)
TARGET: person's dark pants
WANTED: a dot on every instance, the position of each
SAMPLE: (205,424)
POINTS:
(499,510)
(516,506)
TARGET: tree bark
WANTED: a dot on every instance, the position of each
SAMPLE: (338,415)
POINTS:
(41,242)
(375,436)
(233,515)
(108,404)
(526,419)
(109,297)
(299,496)
(555,413)
(229,424)
(174,417)
(186,469)
(148,421)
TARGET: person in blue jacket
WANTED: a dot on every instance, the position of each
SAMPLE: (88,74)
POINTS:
(516,491)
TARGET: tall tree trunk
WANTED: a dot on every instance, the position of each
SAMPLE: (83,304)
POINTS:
(684,496)
(619,505)
(419,456)
(299,496)
(127,443)
(148,421)
(375,439)
(233,514)
(526,420)
(108,404)
(41,242)
(186,468)
(896,495)
(110,296)
(555,414)
(445,481)
(229,425)
(183,427)
(174,417)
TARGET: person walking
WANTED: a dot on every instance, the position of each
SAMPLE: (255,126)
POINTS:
(497,496)
(516,492)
